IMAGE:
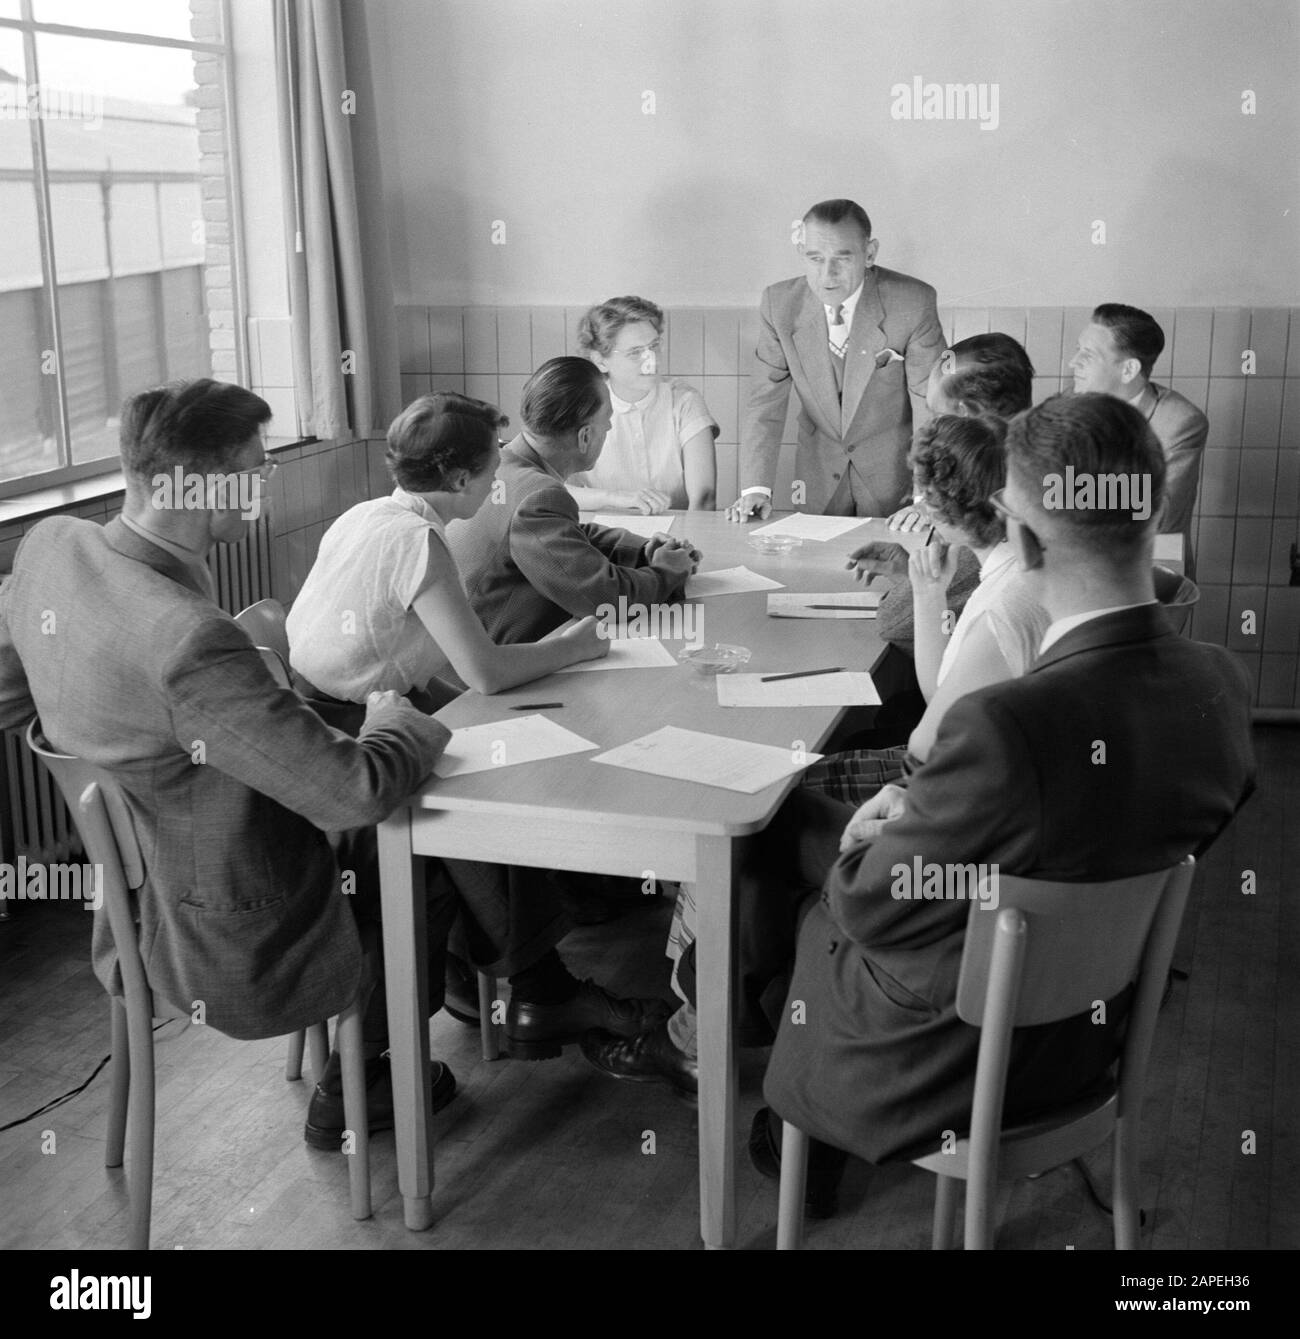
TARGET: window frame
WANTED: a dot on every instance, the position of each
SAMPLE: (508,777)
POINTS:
(28,27)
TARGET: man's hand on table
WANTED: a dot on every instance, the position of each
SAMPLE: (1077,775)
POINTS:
(883,807)
(659,541)
(750,506)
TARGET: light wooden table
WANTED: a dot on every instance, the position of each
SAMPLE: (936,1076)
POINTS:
(567,813)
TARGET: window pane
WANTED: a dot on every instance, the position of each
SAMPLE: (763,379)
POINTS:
(158,18)
(28,387)
(126,202)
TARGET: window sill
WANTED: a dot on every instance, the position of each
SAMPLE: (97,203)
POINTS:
(42,501)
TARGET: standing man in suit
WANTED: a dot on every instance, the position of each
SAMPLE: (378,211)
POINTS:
(1116,351)
(528,563)
(857,343)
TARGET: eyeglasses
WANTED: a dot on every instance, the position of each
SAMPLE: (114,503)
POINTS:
(998,502)
(641,350)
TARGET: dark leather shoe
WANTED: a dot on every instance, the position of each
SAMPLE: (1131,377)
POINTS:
(825,1164)
(325,1122)
(648,1058)
(541,1031)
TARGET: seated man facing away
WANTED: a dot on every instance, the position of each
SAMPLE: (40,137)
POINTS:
(1116,351)
(528,563)
(1123,749)
(112,635)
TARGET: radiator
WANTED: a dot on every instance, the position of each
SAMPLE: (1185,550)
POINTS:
(34,821)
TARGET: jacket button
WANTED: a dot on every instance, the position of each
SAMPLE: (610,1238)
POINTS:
(832,946)
(835,476)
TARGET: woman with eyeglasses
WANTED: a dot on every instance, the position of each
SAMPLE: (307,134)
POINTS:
(959,468)
(659,454)
(383,608)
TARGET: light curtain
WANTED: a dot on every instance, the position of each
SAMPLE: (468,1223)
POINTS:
(340,281)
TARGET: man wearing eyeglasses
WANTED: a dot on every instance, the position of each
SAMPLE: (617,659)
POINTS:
(111,634)
(857,343)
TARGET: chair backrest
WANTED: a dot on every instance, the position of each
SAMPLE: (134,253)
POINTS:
(1177,594)
(108,834)
(1084,942)
(265,624)
(72,776)
(1051,950)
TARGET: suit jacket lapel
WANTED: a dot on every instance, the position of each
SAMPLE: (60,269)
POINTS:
(811,341)
(866,340)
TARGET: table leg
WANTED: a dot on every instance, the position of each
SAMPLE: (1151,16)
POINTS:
(406,974)
(716,979)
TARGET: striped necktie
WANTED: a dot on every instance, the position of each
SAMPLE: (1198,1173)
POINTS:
(839,332)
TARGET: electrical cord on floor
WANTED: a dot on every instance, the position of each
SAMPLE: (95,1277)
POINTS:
(68,1096)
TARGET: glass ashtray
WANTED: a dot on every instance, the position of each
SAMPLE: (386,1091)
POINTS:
(715,659)
(775,543)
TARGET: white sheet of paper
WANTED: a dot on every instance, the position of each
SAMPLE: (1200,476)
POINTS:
(849,688)
(854,604)
(727,581)
(479,748)
(804,526)
(646,526)
(711,760)
(629,653)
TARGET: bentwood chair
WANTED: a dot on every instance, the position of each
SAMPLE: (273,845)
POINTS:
(265,624)
(1050,951)
(108,834)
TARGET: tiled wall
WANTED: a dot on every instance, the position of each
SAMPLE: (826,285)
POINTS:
(1249,499)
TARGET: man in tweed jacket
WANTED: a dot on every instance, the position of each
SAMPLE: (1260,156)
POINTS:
(110,633)
(527,562)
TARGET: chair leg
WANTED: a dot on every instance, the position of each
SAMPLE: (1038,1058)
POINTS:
(945,1212)
(488,1034)
(318,1047)
(794,1184)
(120,1071)
(353,1064)
(293,1060)
(140,1123)
(1125,1187)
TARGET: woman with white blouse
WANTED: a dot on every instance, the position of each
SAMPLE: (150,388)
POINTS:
(383,607)
(659,454)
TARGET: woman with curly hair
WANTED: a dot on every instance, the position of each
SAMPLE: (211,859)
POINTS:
(383,607)
(659,453)
(958,464)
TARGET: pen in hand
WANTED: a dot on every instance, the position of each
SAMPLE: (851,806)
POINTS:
(535,706)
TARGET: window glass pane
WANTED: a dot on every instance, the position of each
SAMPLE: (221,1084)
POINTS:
(158,18)
(126,202)
(28,387)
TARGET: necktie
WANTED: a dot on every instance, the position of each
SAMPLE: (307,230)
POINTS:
(839,332)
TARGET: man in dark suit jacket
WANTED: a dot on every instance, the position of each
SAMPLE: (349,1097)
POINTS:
(110,633)
(1123,750)
(857,343)
(527,562)
(1116,351)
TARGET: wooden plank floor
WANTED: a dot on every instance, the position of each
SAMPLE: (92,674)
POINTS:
(552,1155)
